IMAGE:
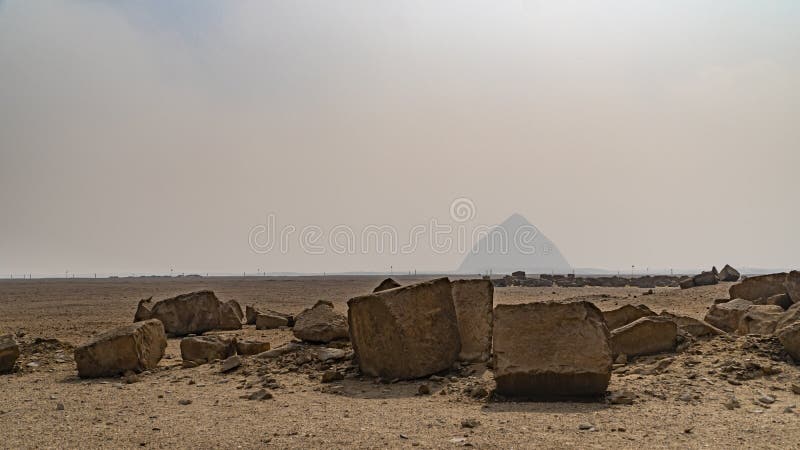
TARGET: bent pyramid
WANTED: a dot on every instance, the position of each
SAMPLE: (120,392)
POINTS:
(515,245)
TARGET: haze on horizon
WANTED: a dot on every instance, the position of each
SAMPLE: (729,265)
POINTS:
(144,136)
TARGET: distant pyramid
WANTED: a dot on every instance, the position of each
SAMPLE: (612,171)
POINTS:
(505,249)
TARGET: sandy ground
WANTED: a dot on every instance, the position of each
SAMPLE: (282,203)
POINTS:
(679,397)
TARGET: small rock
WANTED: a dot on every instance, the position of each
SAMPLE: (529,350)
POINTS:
(685,397)
(231,363)
(621,359)
(60,407)
(332,375)
(469,423)
(184,402)
(622,398)
(261,394)
(586,426)
(796,388)
(479,392)
(732,403)
(424,390)
(768,399)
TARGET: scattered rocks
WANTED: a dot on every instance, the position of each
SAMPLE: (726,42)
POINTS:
(195,313)
(135,347)
(473,301)
(386,285)
(204,349)
(406,332)
(551,350)
(9,352)
(645,336)
(321,323)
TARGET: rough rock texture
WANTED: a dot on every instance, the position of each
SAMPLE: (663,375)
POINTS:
(695,327)
(251,347)
(250,315)
(386,285)
(237,309)
(793,286)
(195,313)
(320,324)
(473,301)
(728,273)
(726,316)
(135,347)
(645,336)
(789,317)
(625,315)
(551,350)
(763,286)
(142,311)
(9,352)
(203,349)
(781,300)
(790,338)
(269,322)
(760,319)
(407,332)
(686,283)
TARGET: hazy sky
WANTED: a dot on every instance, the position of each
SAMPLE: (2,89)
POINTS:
(144,136)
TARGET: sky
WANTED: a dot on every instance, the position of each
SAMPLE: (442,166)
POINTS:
(140,137)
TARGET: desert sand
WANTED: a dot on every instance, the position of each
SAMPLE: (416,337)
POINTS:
(679,397)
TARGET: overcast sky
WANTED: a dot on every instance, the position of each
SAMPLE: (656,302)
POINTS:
(144,136)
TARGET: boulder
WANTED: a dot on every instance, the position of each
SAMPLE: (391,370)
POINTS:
(386,284)
(726,316)
(789,317)
(195,313)
(203,349)
(269,322)
(694,327)
(250,315)
(792,285)
(229,317)
(237,309)
(473,301)
(645,336)
(705,279)
(551,350)
(781,300)
(625,314)
(760,319)
(686,283)
(134,347)
(142,311)
(790,338)
(9,352)
(763,286)
(728,273)
(320,323)
(406,332)
(244,347)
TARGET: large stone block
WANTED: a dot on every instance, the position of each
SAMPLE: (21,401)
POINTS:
(645,336)
(270,321)
(195,313)
(406,332)
(625,314)
(551,350)
(135,347)
(473,301)
(793,286)
(763,286)
(203,349)
(9,352)
(790,338)
(726,316)
(760,319)
(320,323)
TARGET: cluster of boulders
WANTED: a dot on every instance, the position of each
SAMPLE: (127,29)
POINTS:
(763,305)
(710,277)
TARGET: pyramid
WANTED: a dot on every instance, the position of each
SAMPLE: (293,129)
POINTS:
(505,249)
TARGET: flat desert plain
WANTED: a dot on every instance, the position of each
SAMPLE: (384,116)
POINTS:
(679,398)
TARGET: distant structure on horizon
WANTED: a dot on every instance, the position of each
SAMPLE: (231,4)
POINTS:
(537,256)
